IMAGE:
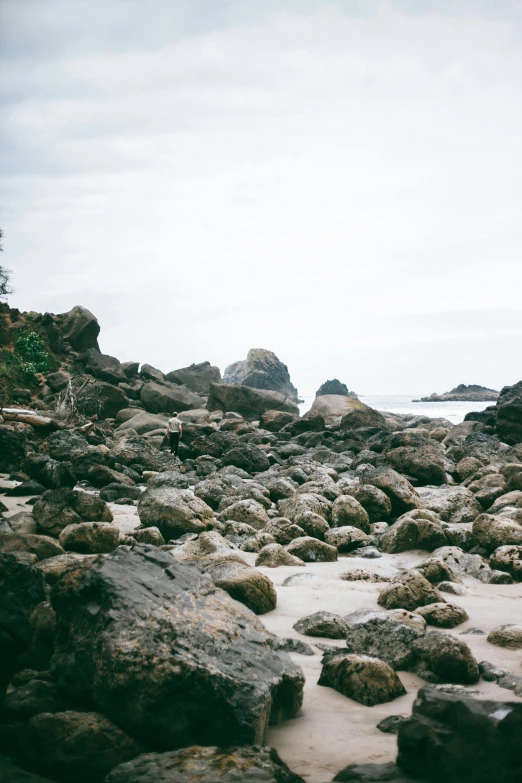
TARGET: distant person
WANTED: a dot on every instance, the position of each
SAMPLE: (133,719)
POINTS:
(174,432)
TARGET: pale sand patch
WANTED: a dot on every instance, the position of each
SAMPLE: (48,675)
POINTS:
(332,730)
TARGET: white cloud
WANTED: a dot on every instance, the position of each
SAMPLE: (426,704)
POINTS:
(341,189)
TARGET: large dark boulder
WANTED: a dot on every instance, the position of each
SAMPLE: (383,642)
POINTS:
(335,387)
(167,656)
(78,747)
(247,457)
(453,739)
(174,511)
(57,508)
(509,414)
(101,399)
(426,462)
(48,472)
(167,398)
(206,765)
(262,370)
(105,367)
(81,329)
(13,449)
(250,403)
(197,377)
(363,416)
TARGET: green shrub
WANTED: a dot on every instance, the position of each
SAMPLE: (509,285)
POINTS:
(32,351)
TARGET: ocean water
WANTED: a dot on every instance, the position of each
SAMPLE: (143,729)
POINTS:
(403,403)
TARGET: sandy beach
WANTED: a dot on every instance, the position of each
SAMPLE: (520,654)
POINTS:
(333,731)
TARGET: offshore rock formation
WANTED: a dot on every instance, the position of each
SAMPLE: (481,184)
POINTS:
(463,393)
(262,370)
(335,387)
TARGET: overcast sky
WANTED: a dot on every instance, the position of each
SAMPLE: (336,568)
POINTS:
(339,182)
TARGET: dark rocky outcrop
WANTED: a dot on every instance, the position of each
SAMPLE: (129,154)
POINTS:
(197,377)
(463,393)
(262,370)
(81,329)
(167,656)
(167,397)
(360,677)
(451,739)
(105,367)
(206,765)
(335,387)
(249,402)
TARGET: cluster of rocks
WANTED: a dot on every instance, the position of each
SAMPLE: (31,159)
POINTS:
(464,393)
(141,655)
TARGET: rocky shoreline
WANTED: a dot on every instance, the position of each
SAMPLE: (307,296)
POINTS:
(463,393)
(253,610)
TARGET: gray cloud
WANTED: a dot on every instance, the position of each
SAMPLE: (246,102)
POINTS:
(342,188)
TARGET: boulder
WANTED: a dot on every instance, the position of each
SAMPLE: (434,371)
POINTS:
(245,584)
(142,422)
(81,329)
(57,380)
(402,495)
(167,656)
(509,635)
(57,508)
(374,773)
(312,421)
(197,377)
(247,457)
(23,580)
(104,367)
(488,488)
(206,765)
(101,399)
(459,562)
(22,522)
(509,414)
(79,746)
(213,490)
(89,538)
(116,493)
(262,370)
(101,475)
(41,546)
(347,538)
(408,591)
(248,511)
(27,488)
(333,407)
(334,387)
(443,615)
(173,511)
(250,403)
(491,531)
(284,530)
(274,421)
(32,698)
(49,472)
(362,678)
(509,559)
(150,373)
(375,502)
(275,555)
(385,635)
(363,416)
(322,624)
(149,535)
(452,504)
(53,568)
(426,462)
(417,529)
(311,550)
(295,507)
(461,739)
(442,658)
(167,398)
(346,510)
(130,369)
(13,449)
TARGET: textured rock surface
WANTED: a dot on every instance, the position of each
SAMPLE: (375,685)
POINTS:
(322,624)
(179,661)
(440,657)
(362,678)
(409,591)
(450,739)
(173,511)
(385,635)
(206,765)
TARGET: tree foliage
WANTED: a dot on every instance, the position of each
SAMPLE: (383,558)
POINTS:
(5,276)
